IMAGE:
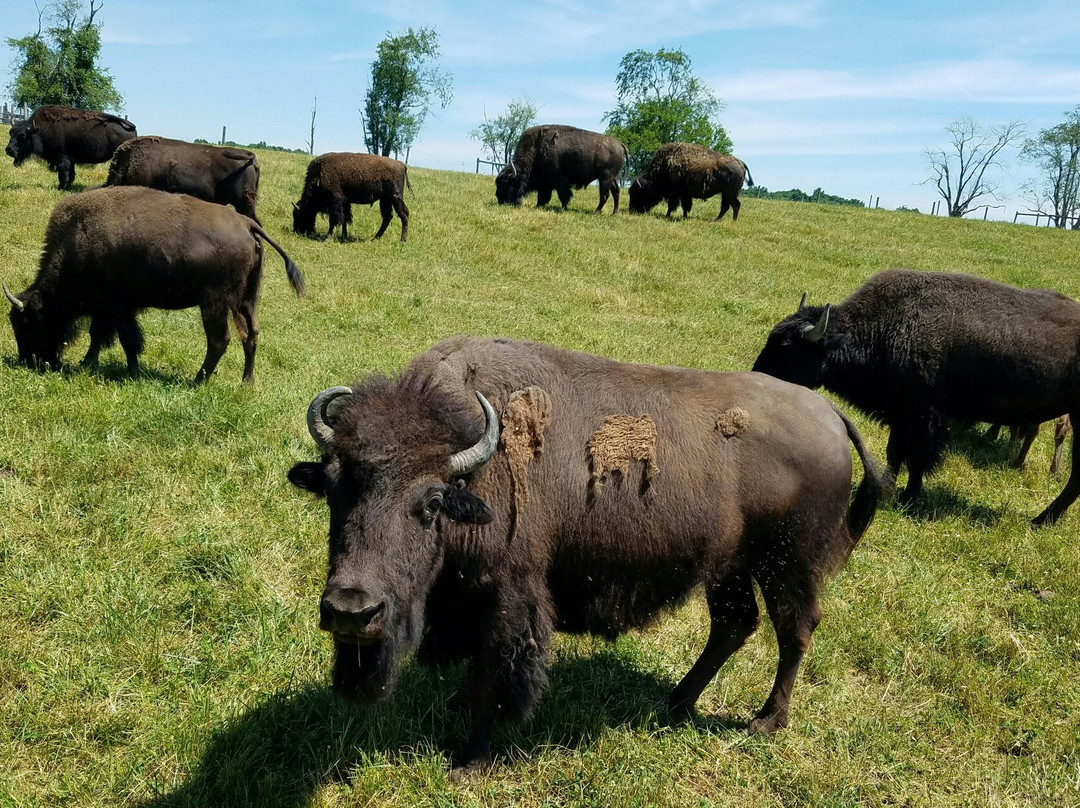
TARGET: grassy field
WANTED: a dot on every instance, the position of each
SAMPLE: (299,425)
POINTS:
(159,577)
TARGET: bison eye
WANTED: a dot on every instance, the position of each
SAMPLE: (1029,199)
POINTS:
(430,508)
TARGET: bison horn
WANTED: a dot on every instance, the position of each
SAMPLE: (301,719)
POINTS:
(814,333)
(802,303)
(19,304)
(475,456)
(321,431)
(513,168)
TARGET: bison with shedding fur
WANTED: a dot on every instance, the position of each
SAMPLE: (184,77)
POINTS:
(222,174)
(589,496)
(111,252)
(336,181)
(682,172)
(63,137)
(916,349)
(557,158)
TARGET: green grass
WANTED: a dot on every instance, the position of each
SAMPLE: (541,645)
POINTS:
(159,577)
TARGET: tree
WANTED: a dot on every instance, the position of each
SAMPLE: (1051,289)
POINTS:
(962,175)
(1056,151)
(404,78)
(311,142)
(500,136)
(659,100)
(60,66)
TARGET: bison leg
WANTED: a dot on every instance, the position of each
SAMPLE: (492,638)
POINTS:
(403,214)
(386,208)
(1061,431)
(687,202)
(216,325)
(605,192)
(65,172)
(733,617)
(565,193)
(672,203)
(615,195)
(543,196)
(1069,492)
(102,333)
(791,599)
(247,326)
(735,205)
(926,435)
(1026,434)
(131,340)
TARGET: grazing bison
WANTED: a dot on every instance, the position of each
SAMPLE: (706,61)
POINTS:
(592,497)
(682,172)
(110,252)
(915,349)
(222,174)
(559,158)
(63,137)
(336,181)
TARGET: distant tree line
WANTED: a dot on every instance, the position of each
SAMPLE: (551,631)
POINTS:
(262,144)
(796,195)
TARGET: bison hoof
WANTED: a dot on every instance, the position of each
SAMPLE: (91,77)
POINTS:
(470,770)
(766,725)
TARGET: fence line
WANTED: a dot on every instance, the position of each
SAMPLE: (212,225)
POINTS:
(1072,222)
(494,165)
(12,116)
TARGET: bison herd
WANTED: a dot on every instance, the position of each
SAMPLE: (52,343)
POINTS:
(497,491)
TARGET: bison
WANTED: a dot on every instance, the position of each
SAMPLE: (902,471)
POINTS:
(682,172)
(590,496)
(336,181)
(1021,436)
(110,252)
(63,137)
(559,158)
(916,349)
(222,174)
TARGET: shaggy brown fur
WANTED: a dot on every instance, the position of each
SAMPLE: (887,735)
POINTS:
(558,158)
(63,137)
(524,420)
(682,172)
(732,422)
(112,251)
(338,180)
(619,440)
(420,556)
(222,174)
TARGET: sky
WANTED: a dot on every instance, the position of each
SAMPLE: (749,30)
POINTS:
(838,94)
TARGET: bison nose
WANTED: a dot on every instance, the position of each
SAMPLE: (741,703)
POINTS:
(352,612)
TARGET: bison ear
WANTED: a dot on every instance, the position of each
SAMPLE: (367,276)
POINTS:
(461,505)
(309,477)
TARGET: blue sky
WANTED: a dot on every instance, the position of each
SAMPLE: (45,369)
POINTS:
(843,95)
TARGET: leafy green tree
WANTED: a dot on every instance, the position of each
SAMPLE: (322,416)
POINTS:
(661,101)
(500,136)
(60,66)
(404,79)
(964,173)
(1056,151)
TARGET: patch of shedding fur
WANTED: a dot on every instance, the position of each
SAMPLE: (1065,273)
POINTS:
(733,421)
(620,440)
(524,420)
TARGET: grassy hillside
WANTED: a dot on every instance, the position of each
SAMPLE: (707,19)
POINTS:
(159,578)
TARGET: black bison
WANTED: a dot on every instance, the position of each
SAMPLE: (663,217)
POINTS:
(682,172)
(222,174)
(336,181)
(110,252)
(590,497)
(63,137)
(559,158)
(916,349)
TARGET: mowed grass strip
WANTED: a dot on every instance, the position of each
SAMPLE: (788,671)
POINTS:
(159,578)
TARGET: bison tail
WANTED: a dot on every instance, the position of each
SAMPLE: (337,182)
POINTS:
(407,183)
(296,279)
(749,179)
(870,491)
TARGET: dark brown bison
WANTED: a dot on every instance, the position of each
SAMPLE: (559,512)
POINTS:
(63,137)
(590,497)
(916,349)
(222,174)
(110,252)
(682,172)
(336,181)
(560,158)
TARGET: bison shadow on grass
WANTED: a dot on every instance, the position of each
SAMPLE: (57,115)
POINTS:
(296,741)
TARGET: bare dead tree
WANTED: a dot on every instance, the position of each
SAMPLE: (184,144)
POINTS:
(311,142)
(965,173)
